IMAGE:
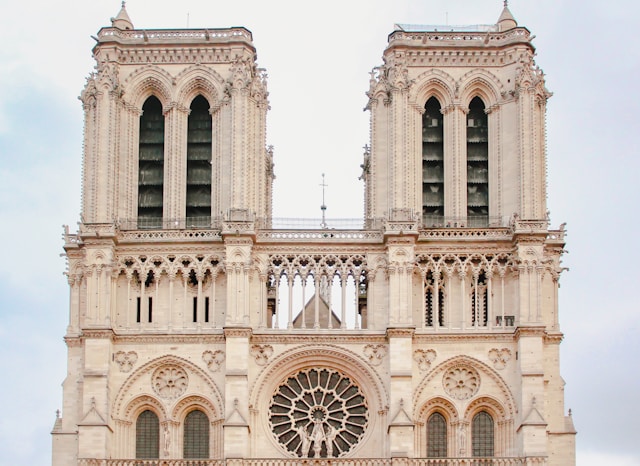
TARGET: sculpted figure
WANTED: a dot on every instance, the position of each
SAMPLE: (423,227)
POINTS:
(305,441)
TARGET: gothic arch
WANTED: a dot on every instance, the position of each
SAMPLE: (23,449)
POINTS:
(121,400)
(142,403)
(508,400)
(191,402)
(433,83)
(199,80)
(483,84)
(440,405)
(147,81)
(488,404)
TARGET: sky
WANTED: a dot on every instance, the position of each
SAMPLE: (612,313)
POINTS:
(318,55)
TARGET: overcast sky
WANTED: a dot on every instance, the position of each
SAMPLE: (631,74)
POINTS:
(317,55)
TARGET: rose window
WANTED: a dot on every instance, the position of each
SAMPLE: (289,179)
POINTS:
(318,413)
(461,382)
(169,381)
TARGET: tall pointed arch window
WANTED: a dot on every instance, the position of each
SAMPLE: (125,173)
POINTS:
(477,165)
(434,298)
(432,164)
(151,165)
(196,435)
(482,434)
(147,436)
(198,210)
(436,436)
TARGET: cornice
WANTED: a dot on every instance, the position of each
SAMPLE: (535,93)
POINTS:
(423,338)
(530,331)
(98,334)
(237,332)
(210,339)
(400,332)
(317,337)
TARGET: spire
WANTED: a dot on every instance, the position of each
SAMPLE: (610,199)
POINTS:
(506,20)
(122,21)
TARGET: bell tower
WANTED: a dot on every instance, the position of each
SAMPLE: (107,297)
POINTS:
(458,126)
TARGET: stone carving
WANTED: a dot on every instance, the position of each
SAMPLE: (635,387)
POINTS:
(424,358)
(126,360)
(169,382)
(499,357)
(461,382)
(375,353)
(318,413)
(261,353)
(213,359)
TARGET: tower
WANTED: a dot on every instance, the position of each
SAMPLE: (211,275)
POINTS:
(200,331)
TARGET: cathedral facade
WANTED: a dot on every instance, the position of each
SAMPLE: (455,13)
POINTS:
(201,333)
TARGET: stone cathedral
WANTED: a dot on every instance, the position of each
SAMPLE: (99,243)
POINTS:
(203,332)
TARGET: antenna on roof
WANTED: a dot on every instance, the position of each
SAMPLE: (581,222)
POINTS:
(323,207)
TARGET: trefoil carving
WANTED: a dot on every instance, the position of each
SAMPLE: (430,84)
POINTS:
(126,361)
(213,359)
(424,358)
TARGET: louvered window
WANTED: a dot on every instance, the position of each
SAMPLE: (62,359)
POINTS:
(147,435)
(151,165)
(196,435)
(477,165)
(432,164)
(199,164)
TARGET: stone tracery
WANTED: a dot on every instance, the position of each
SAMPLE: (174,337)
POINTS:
(318,412)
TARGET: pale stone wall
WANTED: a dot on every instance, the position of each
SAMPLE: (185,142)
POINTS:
(175,319)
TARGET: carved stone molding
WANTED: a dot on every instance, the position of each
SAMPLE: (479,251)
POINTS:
(375,353)
(126,360)
(213,359)
(261,353)
(461,382)
(424,358)
(169,382)
(499,357)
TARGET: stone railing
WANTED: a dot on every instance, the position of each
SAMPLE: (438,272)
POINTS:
(448,37)
(334,236)
(175,35)
(523,461)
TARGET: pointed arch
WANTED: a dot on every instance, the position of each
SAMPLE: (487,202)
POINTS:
(506,401)
(199,80)
(146,81)
(122,399)
(433,83)
(483,84)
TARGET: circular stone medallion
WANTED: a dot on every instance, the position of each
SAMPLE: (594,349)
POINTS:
(169,382)
(318,413)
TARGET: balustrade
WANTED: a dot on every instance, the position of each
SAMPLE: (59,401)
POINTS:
(514,461)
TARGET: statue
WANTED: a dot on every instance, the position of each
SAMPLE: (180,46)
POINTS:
(305,441)
(317,437)
(329,438)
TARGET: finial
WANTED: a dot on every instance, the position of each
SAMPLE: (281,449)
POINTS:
(323,207)
(124,3)
(58,413)
(570,414)
(506,3)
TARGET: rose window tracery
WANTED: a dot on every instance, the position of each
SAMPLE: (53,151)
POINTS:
(319,413)
(461,382)
(169,381)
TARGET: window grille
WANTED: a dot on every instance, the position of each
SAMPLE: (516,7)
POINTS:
(482,434)
(147,436)
(196,435)
(436,436)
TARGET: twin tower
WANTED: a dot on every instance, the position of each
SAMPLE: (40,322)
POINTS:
(200,334)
